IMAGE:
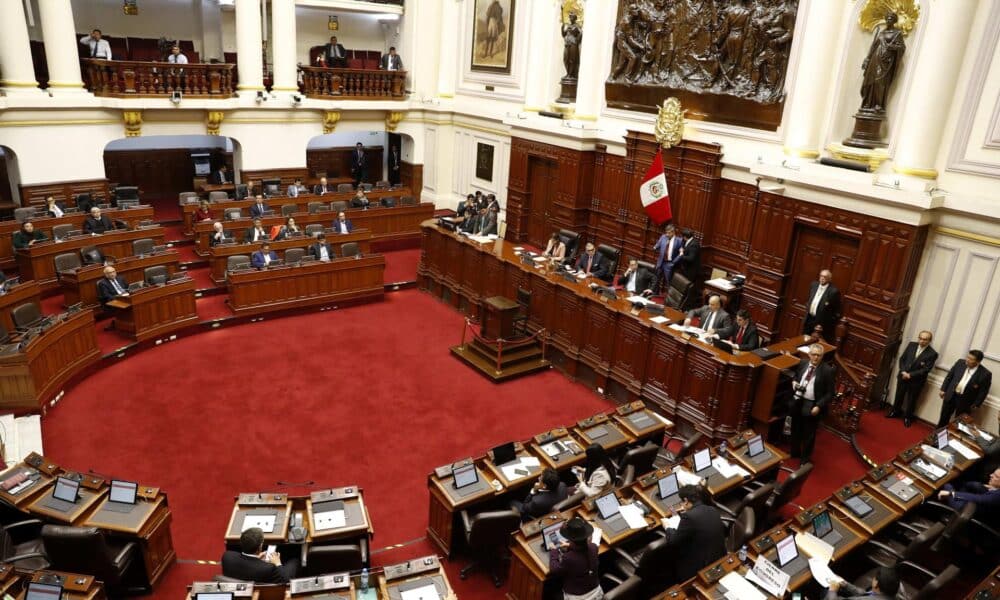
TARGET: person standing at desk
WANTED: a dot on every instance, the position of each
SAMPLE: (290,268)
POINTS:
(575,562)
(668,253)
(251,563)
(965,387)
(813,386)
(359,164)
(26,236)
(97,223)
(343,225)
(112,286)
(598,476)
(690,261)
(700,537)
(394,162)
(391,61)
(546,492)
(54,208)
(915,364)
(822,307)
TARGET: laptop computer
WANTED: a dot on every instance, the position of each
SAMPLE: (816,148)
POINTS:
(722,345)
(64,495)
(551,536)
(465,478)
(823,529)
(121,498)
(703,464)
(43,591)
(756,451)
(504,453)
(789,559)
(609,509)
(667,488)
(858,506)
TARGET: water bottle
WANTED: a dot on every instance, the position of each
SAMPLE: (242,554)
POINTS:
(742,554)
(364,580)
(722,448)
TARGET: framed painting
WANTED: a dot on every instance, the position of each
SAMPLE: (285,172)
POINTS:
(484,161)
(492,32)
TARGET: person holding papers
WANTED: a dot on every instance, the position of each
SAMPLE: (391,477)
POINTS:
(700,537)
(716,322)
(744,336)
(813,386)
(636,282)
(322,251)
(252,563)
(592,263)
(556,248)
(885,586)
(546,492)
(599,476)
(263,257)
(575,561)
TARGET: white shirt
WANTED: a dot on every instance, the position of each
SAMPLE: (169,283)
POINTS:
(293,191)
(670,248)
(710,321)
(98,48)
(324,255)
(810,392)
(178,59)
(342,227)
(917,353)
(118,288)
(630,281)
(56,210)
(964,381)
(267,258)
(820,290)
(258,234)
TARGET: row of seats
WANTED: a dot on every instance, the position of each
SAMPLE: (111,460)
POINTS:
(92,255)
(292,255)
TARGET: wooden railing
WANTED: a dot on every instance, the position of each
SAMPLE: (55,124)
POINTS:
(126,78)
(853,389)
(353,84)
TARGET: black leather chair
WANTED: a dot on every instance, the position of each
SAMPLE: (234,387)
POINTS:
(337,558)
(486,535)
(294,255)
(613,256)
(891,548)
(345,187)
(67,261)
(785,492)
(61,231)
(956,522)
(572,241)
(235,261)
(350,249)
(688,446)
(755,500)
(155,275)
(24,213)
(388,201)
(912,577)
(741,529)
(616,589)
(650,268)
(21,545)
(91,255)
(407,201)
(680,292)
(650,563)
(314,229)
(4,335)
(143,246)
(338,206)
(26,316)
(86,550)
(637,461)
(523,310)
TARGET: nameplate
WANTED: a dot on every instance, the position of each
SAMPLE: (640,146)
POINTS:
(411,567)
(344,493)
(261,499)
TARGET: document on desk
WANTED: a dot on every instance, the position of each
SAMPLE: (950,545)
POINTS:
(962,449)
(424,592)
(685,477)
(722,283)
(264,522)
(554,449)
(930,468)
(821,572)
(813,547)
(540,259)
(331,519)
(659,319)
(519,468)
(767,575)
(671,522)
(633,516)
(581,275)
(728,469)
(637,300)
(803,349)
(738,588)
(978,433)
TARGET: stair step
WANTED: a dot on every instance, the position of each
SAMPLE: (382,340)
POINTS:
(488,367)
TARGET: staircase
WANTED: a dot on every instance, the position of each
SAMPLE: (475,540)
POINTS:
(501,360)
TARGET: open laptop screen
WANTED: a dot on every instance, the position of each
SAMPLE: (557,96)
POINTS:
(667,485)
(66,489)
(608,505)
(702,460)
(822,524)
(755,446)
(123,491)
(465,476)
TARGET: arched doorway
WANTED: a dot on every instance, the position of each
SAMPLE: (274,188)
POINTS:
(329,155)
(10,178)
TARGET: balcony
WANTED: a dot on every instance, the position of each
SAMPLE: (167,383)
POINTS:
(141,79)
(353,84)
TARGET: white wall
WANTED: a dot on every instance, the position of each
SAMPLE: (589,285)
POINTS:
(349,138)
(180,19)
(157,142)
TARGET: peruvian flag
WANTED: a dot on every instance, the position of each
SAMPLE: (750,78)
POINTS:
(653,191)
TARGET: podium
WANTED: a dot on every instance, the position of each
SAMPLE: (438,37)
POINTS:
(495,352)
(498,318)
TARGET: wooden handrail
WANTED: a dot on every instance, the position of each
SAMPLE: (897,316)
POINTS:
(353,84)
(131,78)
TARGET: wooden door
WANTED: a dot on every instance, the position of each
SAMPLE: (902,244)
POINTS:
(542,175)
(815,250)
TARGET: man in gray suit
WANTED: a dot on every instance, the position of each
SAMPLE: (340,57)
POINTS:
(715,321)
(487,224)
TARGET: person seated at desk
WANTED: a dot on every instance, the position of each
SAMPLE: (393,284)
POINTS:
(493,204)
(700,537)
(986,497)
(97,223)
(486,224)
(112,286)
(712,319)
(636,282)
(592,263)
(287,229)
(221,177)
(480,200)
(885,586)
(256,233)
(263,257)
(296,188)
(744,335)
(469,219)
(343,224)
(359,200)
(54,208)
(599,474)
(321,250)
(258,208)
(218,235)
(26,236)
(251,563)
(546,492)
(204,212)
(575,561)
(556,248)
(322,187)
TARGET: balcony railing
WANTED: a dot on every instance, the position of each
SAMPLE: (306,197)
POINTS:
(353,84)
(125,78)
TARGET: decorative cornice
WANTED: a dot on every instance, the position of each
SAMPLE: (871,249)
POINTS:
(133,123)
(213,121)
(330,120)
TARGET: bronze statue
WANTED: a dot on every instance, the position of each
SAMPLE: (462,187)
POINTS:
(730,39)
(881,64)
(572,36)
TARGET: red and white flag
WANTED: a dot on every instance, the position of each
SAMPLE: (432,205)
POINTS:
(653,191)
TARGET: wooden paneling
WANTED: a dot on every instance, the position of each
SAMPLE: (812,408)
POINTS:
(412,176)
(159,172)
(287,176)
(336,162)
(66,191)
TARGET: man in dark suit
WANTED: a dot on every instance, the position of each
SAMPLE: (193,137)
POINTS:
(391,61)
(343,224)
(263,257)
(221,176)
(251,563)
(322,188)
(744,336)
(822,306)
(700,537)
(360,200)
(813,387)
(256,233)
(885,586)
(359,164)
(112,286)
(985,497)
(915,364)
(97,223)
(334,54)
(321,250)
(690,262)
(592,263)
(965,387)
(394,163)
(546,493)
(258,208)
(668,253)
(487,223)
(716,322)
(218,234)
(636,281)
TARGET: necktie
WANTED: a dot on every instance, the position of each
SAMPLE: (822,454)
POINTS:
(118,289)
(739,336)
(809,373)
(710,321)
(590,261)
(93,49)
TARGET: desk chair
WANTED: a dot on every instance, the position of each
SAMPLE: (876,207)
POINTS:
(61,231)
(337,558)
(26,316)
(572,500)
(616,589)
(383,184)
(649,563)
(680,292)
(572,241)
(315,207)
(388,201)
(785,492)
(218,196)
(294,255)
(338,206)
(143,246)
(486,535)
(687,447)
(263,591)
(523,310)
(911,579)
(91,255)
(407,201)
(24,213)
(345,187)
(755,500)
(67,261)
(888,550)
(956,523)
(187,197)
(21,545)
(235,261)
(638,460)
(288,210)
(367,187)
(350,249)
(314,229)
(741,528)
(613,256)
(86,550)
(155,275)
(4,338)
(232,214)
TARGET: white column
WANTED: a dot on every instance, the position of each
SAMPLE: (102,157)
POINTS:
(599,20)
(811,91)
(15,51)
(250,64)
(539,90)
(448,66)
(211,31)
(926,108)
(283,46)
(61,53)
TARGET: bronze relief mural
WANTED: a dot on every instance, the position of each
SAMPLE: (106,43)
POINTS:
(724,59)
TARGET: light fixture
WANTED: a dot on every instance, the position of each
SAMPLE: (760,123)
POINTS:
(296,99)
(175,97)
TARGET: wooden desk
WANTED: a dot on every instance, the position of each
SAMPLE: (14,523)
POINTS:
(80,285)
(717,483)
(988,589)
(602,430)
(30,378)
(243,590)
(641,424)
(853,535)
(910,461)
(88,499)
(756,465)
(496,471)
(26,291)
(445,503)
(149,525)
(45,476)
(75,586)
(881,478)
(396,578)
(529,569)
(132,216)
(156,310)
(647,489)
(260,504)
(351,501)
(882,515)
(573,454)
(218,256)
(309,284)
(37,262)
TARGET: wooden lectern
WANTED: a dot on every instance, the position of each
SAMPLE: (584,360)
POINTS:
(498,318)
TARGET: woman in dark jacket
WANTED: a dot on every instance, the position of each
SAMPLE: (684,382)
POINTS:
(575,561)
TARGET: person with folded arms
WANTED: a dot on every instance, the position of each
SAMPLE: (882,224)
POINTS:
(27,236)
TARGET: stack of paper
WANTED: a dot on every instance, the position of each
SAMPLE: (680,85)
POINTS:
(330,519)
(727,469)
(721,283)
(821,572)
(554,449)
(519,468)
(929,467)
(768,576)
(813,547)
(424,592)
(633,516)
(539,259)
(595,537)
(738,588)
(637,300)
(659,319)
(264,522)
(685,477)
